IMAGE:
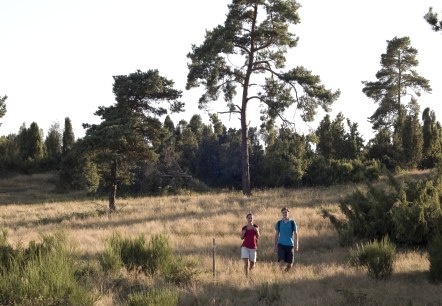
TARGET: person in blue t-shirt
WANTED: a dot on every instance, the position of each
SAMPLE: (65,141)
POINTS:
(285,238)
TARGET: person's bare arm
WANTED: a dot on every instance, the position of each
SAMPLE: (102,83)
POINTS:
(276,241)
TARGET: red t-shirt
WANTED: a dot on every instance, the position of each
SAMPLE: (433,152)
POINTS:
(250,238)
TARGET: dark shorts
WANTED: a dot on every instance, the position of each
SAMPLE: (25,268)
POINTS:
(285,253)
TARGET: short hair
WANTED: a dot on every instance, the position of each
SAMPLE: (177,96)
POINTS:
(249,214)
(285,208)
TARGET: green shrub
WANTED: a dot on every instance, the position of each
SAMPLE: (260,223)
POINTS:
(43,274)
(327,172)
(127,252)
(154,297)
(135,254)
(366,214)
(377,256)
(110,260)
(416,212)
(435,258)
(180,271)
(406,212)
(159,253)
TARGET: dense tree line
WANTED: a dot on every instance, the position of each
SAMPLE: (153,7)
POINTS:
(139,149)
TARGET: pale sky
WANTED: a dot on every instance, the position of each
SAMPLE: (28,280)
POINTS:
(57,57)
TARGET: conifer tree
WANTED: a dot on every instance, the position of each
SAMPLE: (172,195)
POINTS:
(53,144)
(432,133)
(396,79)
(68,136)
(248,52)
(130,129)
(412,138)
(432,18)
(2,106)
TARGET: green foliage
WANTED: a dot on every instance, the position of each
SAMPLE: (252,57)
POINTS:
(159,253)
(68,139)
(416,212)
(245,36)
(130,129)
(53,146)
(154,297)
(153,258)
(285,158)
(42,274)
(377,256)
(432,18)
(407,212)
(366,214)
(180,271)
(77,170)
(2,106)
(135,254)
(435,257)
(329,172)
(396,79)
(110,259)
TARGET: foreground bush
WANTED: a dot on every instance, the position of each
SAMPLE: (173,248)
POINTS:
(435,258)
(377,256)
(42,274)
(155,257)
(408,212)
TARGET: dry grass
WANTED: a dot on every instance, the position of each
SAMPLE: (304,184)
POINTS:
(322,275)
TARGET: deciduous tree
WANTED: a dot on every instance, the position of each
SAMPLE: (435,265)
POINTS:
(248,52)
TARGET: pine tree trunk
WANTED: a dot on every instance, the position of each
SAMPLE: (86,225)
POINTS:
(246,190)
(113,186)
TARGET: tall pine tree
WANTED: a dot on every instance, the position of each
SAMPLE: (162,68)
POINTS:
(248,52)
(396,79)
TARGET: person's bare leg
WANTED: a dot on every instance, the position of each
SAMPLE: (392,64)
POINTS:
(246,266)
(288,267)
(252,265)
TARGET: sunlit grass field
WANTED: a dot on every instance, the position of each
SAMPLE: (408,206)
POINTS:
(321,275)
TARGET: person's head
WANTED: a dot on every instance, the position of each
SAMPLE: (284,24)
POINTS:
(285,212)
(249,217)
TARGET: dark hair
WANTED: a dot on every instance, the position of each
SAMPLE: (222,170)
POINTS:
(249,214)
(284,208)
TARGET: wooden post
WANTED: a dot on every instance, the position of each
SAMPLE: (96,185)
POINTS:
(213,257)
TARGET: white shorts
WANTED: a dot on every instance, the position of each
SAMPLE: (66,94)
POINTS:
(249,254)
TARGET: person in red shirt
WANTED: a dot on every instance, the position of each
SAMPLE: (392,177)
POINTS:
(249,235)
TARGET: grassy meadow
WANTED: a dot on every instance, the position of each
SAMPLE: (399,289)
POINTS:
(321,275)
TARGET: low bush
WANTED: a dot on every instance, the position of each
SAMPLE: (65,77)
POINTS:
(43,274)
(377,256)
(155,257)
(180,271)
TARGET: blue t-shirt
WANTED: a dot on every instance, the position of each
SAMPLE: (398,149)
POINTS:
(285,232)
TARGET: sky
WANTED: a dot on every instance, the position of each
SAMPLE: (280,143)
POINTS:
(58,57)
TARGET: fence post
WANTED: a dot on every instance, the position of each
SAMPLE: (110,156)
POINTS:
(213,257)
